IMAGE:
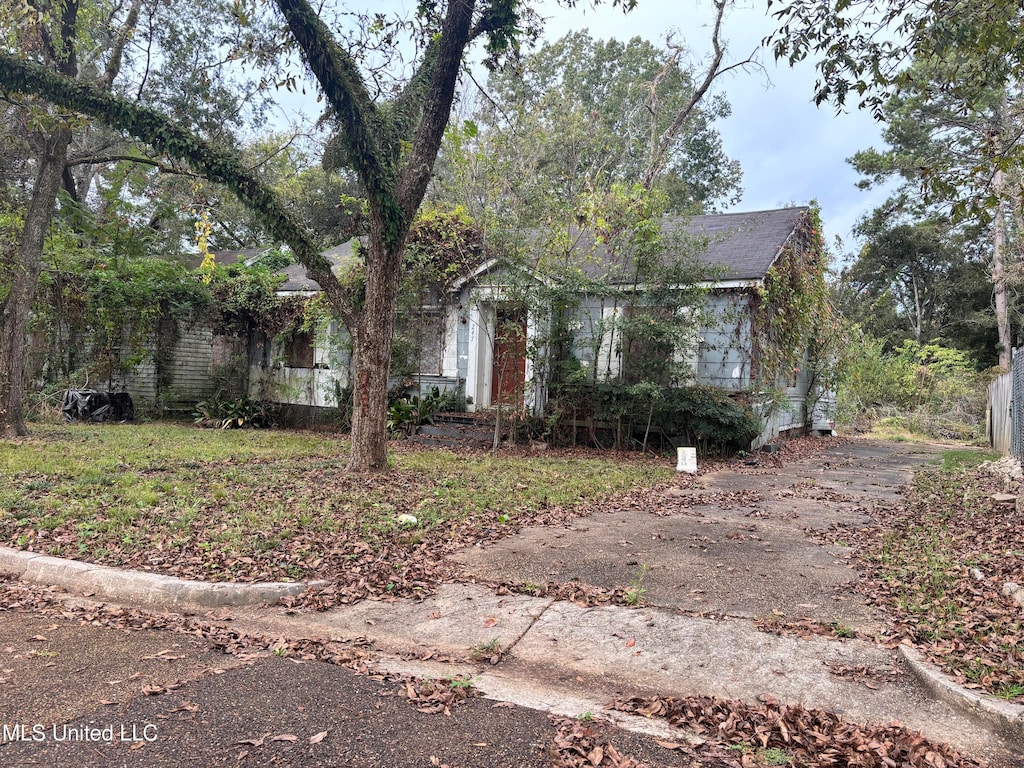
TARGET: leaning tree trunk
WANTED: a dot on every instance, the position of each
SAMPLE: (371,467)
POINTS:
(25,275)
(371,360)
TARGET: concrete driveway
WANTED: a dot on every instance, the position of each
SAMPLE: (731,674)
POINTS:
(744,543)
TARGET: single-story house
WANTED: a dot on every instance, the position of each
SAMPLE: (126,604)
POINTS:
(461,344)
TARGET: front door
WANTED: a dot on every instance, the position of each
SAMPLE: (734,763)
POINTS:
(508,378)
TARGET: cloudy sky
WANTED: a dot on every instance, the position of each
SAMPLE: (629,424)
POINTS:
(791,151)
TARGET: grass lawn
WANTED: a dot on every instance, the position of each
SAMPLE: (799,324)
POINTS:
(245,504)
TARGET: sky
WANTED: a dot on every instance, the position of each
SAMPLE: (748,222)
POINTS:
(791,152)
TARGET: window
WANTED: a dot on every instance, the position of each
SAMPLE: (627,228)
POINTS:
(298,349)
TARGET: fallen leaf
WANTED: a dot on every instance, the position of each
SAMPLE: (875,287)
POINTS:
(489,622)
(668,744)
(258,742)
(286,737)
(318,737)
(631,642)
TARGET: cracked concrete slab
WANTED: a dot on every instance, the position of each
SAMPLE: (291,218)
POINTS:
(741,543)
(454,620)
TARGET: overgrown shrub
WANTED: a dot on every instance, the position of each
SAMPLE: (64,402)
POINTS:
(407,414)
(929,389)
(637,416)
(237,413)
(452,401)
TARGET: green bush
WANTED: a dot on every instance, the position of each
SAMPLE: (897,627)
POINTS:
(452,401)
(238,413)
(704,417)
(925,388)
(407,414)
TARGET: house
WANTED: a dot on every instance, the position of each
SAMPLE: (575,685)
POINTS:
(485,339)
(303,369)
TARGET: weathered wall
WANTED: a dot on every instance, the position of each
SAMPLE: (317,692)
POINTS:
(271,379)
(187,375)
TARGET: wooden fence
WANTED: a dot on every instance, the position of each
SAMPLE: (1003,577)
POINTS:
(1006,409)
(1000,414)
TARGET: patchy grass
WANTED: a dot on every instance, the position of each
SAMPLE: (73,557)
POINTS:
(919,571)
(243,504)
(966,458)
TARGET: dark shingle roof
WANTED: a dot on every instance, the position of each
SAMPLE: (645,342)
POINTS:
(744,243)
(295,275)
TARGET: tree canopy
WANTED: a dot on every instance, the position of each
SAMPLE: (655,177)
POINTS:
(604,112)
(389,138)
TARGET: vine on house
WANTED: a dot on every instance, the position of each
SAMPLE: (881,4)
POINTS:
(794,322)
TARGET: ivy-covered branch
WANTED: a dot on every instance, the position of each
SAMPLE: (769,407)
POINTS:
(216,164)
(437,101)
(365,133)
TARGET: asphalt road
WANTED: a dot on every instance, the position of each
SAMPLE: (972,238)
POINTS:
(82,696)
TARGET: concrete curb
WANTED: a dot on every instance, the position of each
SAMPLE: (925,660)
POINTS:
(139,586)
(1003,717)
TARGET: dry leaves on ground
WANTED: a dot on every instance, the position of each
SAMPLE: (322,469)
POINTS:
(581,745)
(916,567)
(14,596)
(813,738)
(438,696)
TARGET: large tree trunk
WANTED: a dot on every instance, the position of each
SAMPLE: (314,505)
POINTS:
(18,305)
(371,359)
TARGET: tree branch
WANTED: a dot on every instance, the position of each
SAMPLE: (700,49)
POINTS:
(443,69)
(98,159)
(121,38)
(364,134)
(166,136)
(660,146)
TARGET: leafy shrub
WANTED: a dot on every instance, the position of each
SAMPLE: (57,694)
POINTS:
(712,421)
(407,414)
(452,401)
(925,388)
(239,413)
(704,417)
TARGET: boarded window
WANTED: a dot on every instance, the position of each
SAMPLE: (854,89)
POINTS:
(432,344)
(298,349)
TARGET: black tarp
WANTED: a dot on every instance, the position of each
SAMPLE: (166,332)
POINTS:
(91,405)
